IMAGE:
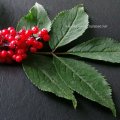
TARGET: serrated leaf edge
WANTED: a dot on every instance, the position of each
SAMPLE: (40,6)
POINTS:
(105,83)
(110,39)
(73,100)
(62,12)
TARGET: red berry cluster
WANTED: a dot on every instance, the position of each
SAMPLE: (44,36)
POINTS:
(14,45)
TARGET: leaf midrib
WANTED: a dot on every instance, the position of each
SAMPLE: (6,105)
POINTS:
(67,30)
(94,52)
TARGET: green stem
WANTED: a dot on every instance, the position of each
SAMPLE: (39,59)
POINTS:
(44,53)
(61,53)
(50,53)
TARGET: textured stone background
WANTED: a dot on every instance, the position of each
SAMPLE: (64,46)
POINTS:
(20,100)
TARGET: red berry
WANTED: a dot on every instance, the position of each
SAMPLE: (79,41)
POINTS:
(3,53)
(12,44)
(22,31)
(33,50)
(28,33)
(40,34)
(44,31)
(10,38)
(35,43)
(7,36)
(1,42)
(12,32)
(18,58)
(46,37)
(40,45)
(14,57)
(30,41)
(20,51)
(22,46)
(5,31)
(23,38)
(10,28)
(24,56)
(35,29)
(10,53)
(17,37)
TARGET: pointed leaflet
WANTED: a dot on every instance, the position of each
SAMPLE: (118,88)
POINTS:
(42,73)
(68,26)
(37,16)
(105,49)
(85,80)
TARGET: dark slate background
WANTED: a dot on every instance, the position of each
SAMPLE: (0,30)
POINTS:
(20,100)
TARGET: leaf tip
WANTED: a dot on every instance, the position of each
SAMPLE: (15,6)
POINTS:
(114,111)
(74,103)
(36,3)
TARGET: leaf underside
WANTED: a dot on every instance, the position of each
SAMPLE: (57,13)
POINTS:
(37,16)
(105,49)
(68,26)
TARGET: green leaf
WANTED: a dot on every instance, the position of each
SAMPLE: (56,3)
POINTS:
(42,73)
(105,49)
(37,16)
(85,80)
(68,26)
